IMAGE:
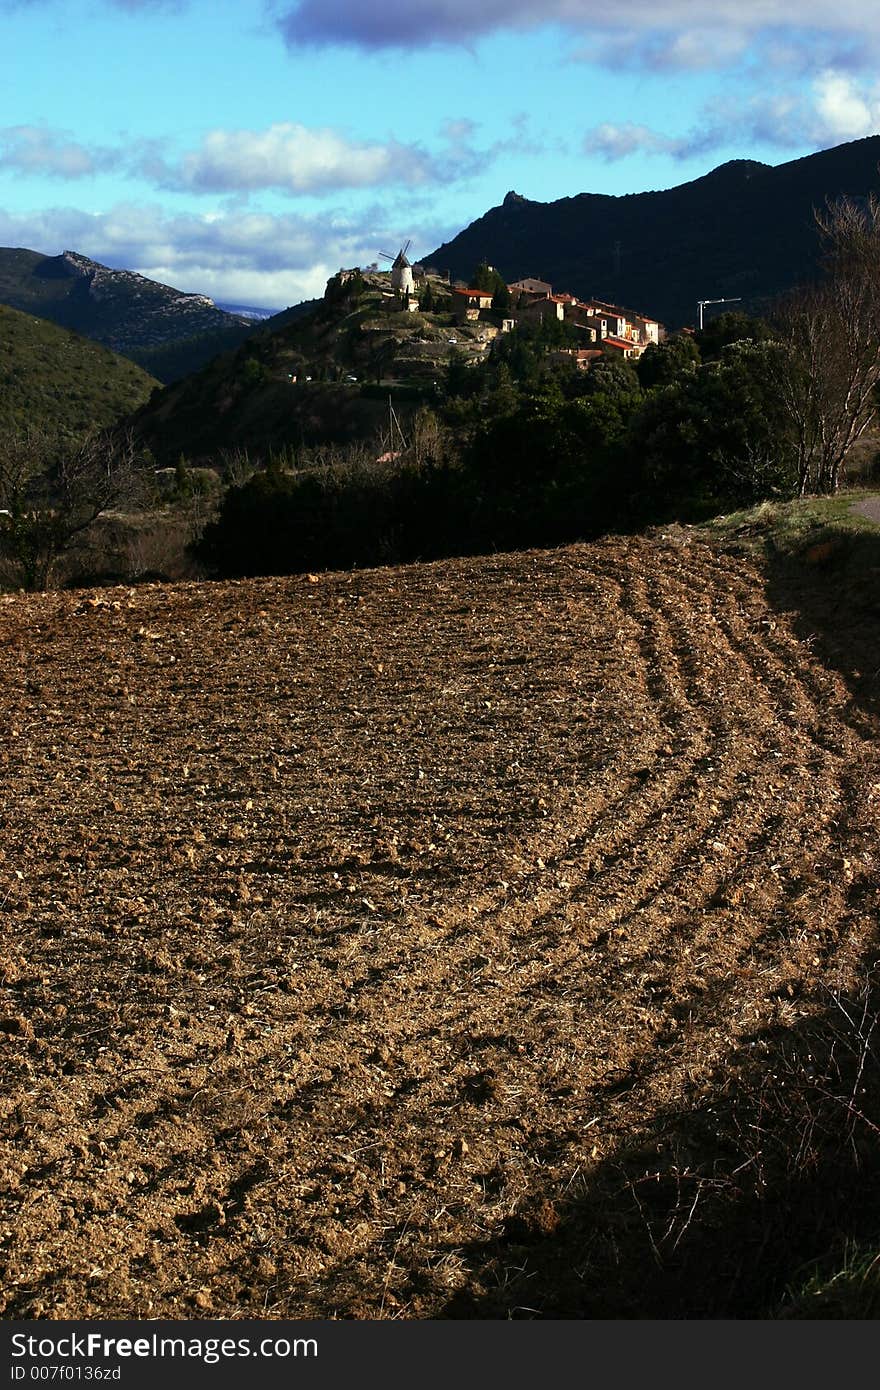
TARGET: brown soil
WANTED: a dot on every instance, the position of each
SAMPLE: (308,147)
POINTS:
(353,924)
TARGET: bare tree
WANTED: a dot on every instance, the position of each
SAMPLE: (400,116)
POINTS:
(52,489)
(428,440)
(236,466)
(830,373)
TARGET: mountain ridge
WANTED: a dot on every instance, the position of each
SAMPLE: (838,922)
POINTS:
(165,330)
(662,250)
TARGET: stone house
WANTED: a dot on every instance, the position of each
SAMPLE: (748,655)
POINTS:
(467,304)
(531,287)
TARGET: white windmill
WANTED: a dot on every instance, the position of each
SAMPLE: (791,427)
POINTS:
(401,270)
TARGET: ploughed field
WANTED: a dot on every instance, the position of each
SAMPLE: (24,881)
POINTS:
(383,944)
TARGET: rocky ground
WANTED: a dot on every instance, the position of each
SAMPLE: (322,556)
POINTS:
(429,942)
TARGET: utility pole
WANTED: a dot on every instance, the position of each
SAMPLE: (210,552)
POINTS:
(701,304)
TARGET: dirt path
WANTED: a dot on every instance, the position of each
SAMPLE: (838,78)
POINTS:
(869,507)
(341,919)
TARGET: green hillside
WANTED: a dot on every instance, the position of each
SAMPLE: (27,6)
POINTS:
(51,378)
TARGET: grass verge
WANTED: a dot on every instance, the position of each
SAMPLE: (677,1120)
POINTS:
(796,528)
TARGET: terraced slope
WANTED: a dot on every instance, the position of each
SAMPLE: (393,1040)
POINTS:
(403,944)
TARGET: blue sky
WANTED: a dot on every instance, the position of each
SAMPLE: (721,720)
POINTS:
(248,148)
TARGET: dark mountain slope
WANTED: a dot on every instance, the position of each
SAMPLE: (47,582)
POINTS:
(168,332)
(289,315)
(50,378)
(746,229)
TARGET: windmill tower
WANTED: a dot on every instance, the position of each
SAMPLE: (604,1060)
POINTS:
(401,271)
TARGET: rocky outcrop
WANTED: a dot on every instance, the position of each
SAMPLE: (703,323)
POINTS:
(119,308)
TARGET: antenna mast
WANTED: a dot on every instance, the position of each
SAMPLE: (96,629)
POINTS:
(392,422)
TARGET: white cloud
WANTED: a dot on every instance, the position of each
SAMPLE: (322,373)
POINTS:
(844,111)
(288,157)
(834,109)
(291,157)
(40,150)
(617,141)
(679,34)
(694,50)
(273,290)
(613,142)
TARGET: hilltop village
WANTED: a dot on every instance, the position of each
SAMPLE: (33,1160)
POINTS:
(605,327)
(406,332)
(490,306)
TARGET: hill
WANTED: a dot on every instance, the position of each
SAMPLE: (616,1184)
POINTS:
(481,939)
(52,379)
(745,230)
(167,332)
(318,372)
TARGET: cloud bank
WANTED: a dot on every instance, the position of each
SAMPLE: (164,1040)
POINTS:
(237,256)
(688,34)
(285,157)
(836,109)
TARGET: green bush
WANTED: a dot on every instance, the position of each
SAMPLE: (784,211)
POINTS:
(355,514)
